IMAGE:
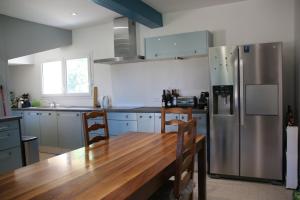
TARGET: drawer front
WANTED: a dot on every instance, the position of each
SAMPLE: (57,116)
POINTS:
(9,125)
(9,139)
(10,159)
(122,116)
(145,116)
(184,117)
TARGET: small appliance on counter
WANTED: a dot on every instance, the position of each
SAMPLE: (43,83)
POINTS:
(203,100)
(188,101)
(25,100)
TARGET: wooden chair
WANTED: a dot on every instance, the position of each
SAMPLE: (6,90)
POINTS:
(165,111)
(182,186)
(94,127)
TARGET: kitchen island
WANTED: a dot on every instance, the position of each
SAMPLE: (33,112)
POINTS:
(10,144)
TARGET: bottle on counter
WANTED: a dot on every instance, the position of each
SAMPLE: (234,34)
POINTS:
(169,99)
(163,99)
(174,98)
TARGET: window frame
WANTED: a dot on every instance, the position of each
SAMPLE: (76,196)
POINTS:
(64,78)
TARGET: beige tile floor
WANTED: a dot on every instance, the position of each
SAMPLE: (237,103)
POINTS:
(220,189)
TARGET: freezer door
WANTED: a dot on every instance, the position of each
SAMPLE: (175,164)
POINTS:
(261,111)
(224,111)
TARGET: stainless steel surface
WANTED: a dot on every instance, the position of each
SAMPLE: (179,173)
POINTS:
(31,149)
(125,48)
(224,133)
(261,135)
(248,143)
(261,99)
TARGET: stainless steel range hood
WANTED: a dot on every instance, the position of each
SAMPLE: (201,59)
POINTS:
(124,43)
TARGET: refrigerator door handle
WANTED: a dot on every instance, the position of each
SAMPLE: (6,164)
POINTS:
(242,109)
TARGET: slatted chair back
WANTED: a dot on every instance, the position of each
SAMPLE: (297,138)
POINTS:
(95,127)
(165,111)
(185,155)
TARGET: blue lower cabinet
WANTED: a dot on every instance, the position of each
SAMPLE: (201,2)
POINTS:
(10,159)
(201,123)
(10,146)
(119,127)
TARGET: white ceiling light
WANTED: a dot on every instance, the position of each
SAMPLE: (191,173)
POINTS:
(74,14)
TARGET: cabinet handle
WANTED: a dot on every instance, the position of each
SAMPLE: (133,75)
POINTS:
(127,124)
(77,115)
(57,114)
(3,128)
(141,116)
(37,113)
(195,51)
(155,55)
(176,117)
(49,113)
(3,157)
(126,116)
(150,116)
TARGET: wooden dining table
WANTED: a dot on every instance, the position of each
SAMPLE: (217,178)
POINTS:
(131,166)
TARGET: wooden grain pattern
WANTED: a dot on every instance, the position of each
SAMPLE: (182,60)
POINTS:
(125,167)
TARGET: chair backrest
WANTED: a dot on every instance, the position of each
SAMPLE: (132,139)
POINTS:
(94,127)
(164,111)
(185,156)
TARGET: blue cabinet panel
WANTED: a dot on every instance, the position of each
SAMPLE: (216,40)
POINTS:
(178,45)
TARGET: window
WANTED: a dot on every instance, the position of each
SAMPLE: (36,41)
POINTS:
(52,78)
(77,76)
(70,77)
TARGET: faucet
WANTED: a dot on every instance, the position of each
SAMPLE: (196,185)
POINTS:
(53,104)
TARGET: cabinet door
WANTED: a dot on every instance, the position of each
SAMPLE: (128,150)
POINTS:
(48,124)
(22,123)
(32,124)
(10,159)
(146,122)
(118,127)
(201,123)
(157,123)
(178,45)
(70,132)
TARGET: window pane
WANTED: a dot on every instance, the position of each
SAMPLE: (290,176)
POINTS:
(52,78)
(78,76)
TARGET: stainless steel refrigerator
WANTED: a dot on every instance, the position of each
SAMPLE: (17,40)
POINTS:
(246,130)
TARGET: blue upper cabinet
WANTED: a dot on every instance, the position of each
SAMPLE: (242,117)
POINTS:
(178,45)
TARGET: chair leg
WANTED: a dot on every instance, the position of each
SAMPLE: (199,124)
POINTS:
(191,196)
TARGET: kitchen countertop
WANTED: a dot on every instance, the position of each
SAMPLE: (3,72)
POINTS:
(111,109)
(10,118)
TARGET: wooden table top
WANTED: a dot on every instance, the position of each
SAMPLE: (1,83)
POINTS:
(112,169)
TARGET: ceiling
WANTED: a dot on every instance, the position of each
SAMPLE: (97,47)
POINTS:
(59,12)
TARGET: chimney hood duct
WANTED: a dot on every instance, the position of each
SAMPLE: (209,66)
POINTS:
(124,43)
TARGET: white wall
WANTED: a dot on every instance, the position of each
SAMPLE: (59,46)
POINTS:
(95,42)
(251,21)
